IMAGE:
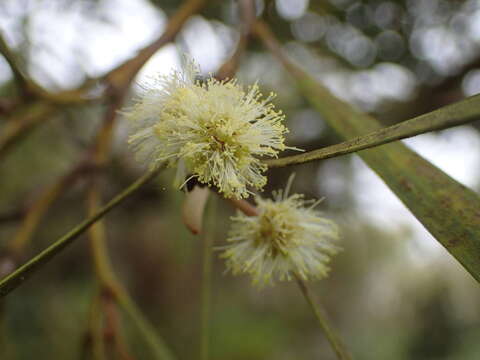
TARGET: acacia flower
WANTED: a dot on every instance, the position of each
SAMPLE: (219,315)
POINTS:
(214,131)
(287,237)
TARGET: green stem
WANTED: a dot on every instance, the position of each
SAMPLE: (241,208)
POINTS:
(207,281)
(16,278)
(96,319)
(321,316)
(452,115)
(160,349)
(38,209)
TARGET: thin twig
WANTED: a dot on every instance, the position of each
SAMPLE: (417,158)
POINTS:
(452,115)
(229,68)
(22,121)
(40,206)
(15,279)
(13,215)
(121,76)
(175,24)
(96,329)
(110,284)
(207,257)
(117,80)
(244,206)
(321,317)
(97,240)
(112,333)
(149,333)
(29,88)
(12,61)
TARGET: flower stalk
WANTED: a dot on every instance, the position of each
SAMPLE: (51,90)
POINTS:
(208,240)
(320,315)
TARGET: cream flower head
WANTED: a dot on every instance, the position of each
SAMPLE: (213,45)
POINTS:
(288,237)
(211,130)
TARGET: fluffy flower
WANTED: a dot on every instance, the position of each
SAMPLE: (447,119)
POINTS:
(211,130)
(287,238)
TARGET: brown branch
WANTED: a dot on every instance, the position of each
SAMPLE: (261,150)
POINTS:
(92,346)
(16,278)
(12,215)
(21,122)
(32,90)
(9,105)
(121,76)
(229,68)
(40,206)
(112,332)
(117,81)
(12,61)
(38,209)
(244,206)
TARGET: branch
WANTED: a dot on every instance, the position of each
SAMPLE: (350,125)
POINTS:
(207,263)
(21,122)
(12,61)
(13,215)
(113,336)
(143,325)
(109,283)
(31,89)
(121,76)
(40,206)
(448,210)
(229,68)
(15,279)
(117,80)
(332,337)
(449,116)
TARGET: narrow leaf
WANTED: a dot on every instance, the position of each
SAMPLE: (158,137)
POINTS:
(449,210)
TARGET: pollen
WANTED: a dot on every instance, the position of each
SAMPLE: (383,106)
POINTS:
(211,130)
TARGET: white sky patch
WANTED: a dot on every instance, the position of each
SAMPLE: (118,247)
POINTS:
(393,81)
(471,83)
(205,44)
(375,202)
(5,71)
(456,151)
(291,10)
(129,25)
(474,25)
(164,62)
(66,43)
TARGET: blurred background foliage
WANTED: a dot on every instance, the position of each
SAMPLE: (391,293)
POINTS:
(394,293)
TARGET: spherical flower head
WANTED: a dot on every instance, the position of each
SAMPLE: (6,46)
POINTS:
(211,130)
(287,238)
